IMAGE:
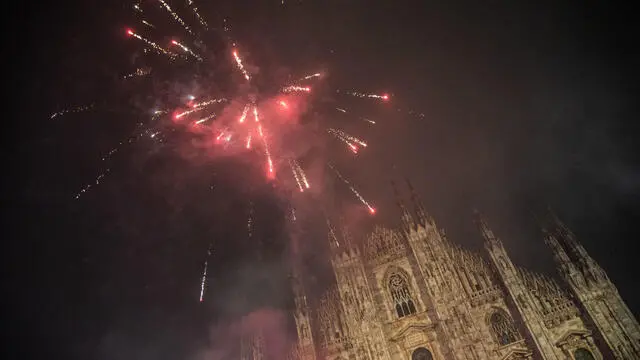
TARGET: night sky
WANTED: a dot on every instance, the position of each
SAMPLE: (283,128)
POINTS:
(526,104)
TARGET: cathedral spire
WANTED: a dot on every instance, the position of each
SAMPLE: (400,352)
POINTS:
(421,215)
(484,228)
(407,219)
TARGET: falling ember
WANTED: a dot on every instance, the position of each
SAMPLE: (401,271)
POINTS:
(228,138)
(353,148)
(150,43)
(186,49)
(204,274)
(302,174)
(244,113)
(220,136)
(343,110)
(283,104)
(294,88)
(345,136)
(198,107)
(372,210)
(240,66)
(255,115)
(175,16)
(249,141)
(295,174)
(205,119)
(310,76)
(365,95)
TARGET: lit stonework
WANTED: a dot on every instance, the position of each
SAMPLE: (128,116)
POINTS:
(411,294)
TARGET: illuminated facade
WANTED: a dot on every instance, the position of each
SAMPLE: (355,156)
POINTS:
(411,294)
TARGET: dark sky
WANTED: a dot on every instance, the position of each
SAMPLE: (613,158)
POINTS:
(526,104)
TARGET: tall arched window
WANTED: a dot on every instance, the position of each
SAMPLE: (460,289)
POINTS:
(421,354)
(399,290)
(583,354)
(503,328)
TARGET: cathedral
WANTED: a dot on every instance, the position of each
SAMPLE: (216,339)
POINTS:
(412,294)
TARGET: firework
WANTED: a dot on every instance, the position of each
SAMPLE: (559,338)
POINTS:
(283,104)
(346,141)
(295,175)
(310,77)
(204,274)
(195,11)
(244,113)
(148,24)
(302,174)
(89,186)
(156,47)
(176,17)
(365,95)
(248,145)
(346,136)
(341,110)
(139,72)
(368,120)
(186,49)
(372,210)
(332,232)
(295,88)
(255,115)
(198,107)
(76,109)
(271,173)
(240,66)
(205,119)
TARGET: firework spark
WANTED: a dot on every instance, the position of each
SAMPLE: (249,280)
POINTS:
(255,115)
(295,88)
(295,175)
(76,109)
(372,210)
(204,274)
(244,113)
(205,119)
(198,107)
(148,24)
(195,11)
(365,95)
(346,136)
(176,17)
(310,76)
(156,47)
(248,145)
(240,66)
(186,49)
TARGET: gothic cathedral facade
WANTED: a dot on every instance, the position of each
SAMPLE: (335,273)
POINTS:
(411,294)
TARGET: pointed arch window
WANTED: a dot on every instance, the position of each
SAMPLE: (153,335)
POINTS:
(503,328)
(583,354)
(401,296)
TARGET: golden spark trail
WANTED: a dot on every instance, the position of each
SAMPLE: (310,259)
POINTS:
(301,172)
(295,175)
(240,66)
(198,107)
(153,45)
(371,209)
(347,136)
(295,88)
(255,115)
(200,19)
(205,119)
(204,274)
(175,16)
(186,49)
(244,113)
